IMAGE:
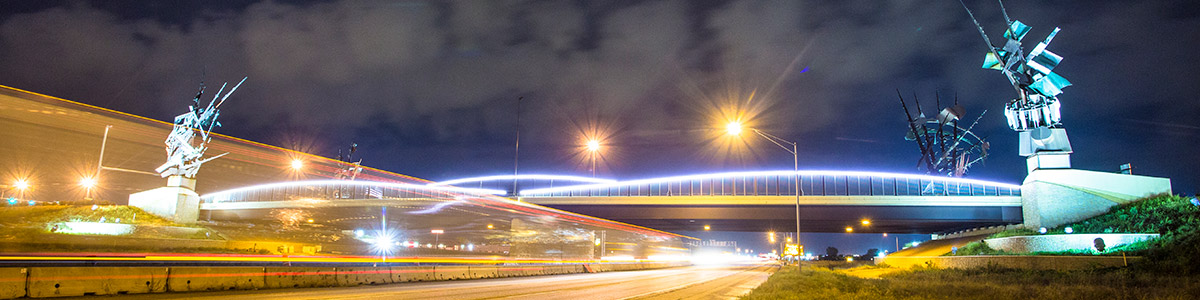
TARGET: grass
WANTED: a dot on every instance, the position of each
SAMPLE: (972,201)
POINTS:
(1173,217)
(985,283)
(48,214)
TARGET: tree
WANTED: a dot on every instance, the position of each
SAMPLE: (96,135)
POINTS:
(873,252)
(831,252)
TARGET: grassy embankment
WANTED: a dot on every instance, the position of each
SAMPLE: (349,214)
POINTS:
(1172,270)
(986,283)
(32,229)
(1175,218)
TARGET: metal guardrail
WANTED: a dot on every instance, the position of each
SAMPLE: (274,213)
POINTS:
(781,183)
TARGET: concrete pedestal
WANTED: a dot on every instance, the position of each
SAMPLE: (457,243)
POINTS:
(177,201)
(1053,197)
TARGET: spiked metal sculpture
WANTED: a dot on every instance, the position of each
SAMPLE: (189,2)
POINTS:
(1035,111)
(946,147)
(184,158)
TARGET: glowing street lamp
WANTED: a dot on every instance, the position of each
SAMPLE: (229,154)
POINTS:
(87,182)
(706,227)
(849,229)
(735,129)
(21,185)
(593,146)
(771,237)
(866,222)
(297,164)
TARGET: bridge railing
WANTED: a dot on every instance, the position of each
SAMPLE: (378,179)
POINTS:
(774,184)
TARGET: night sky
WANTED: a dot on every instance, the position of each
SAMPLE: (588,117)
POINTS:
(430,88)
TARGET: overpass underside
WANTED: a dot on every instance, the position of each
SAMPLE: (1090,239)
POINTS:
(890,214)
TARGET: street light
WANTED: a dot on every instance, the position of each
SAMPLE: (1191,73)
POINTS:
(21,185)
(87,183)
(866,222)
(735,129)
(706,227)
(849,229)
(592,147)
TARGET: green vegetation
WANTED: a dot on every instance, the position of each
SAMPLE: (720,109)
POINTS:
(39,216)
(985,283)
(1175,218)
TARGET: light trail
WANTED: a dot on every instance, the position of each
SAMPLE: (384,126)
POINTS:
(183,257)
(586,187)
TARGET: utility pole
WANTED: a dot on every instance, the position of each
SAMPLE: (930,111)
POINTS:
(517,152)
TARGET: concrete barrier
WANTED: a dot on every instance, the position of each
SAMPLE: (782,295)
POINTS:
(451,272)
(364,276)
(12,282)
(191,279)
(479,272)
(80,281)
(519,270)
(293,277)
(412,274)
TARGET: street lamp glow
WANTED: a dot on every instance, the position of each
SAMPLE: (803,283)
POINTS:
(593,145)
(706,227)
(21,184)
(88,182)
(789,239)
(771,236)
(849,229)
(866,222)
(733,128)
(297,164)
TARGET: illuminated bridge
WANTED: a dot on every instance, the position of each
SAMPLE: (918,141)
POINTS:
(735,201)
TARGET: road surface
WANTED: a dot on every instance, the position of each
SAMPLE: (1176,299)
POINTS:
(694,282)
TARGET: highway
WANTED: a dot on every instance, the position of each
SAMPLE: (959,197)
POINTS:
(694,282)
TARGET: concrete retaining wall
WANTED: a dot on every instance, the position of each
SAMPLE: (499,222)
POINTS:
(1033,262)
(1064,242)
(40,282)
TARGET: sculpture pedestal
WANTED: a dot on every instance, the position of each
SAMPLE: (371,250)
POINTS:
(1050,198)
(177,201)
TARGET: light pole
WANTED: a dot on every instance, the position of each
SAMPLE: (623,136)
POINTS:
(88,183)
(735,128)
(593,146)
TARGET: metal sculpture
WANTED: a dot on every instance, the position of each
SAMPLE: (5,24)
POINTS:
(184,156)
(1035,111)
(351,168)
(946,147)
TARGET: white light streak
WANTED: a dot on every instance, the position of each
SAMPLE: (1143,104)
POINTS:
(601,186)
(521,177)
(213,197)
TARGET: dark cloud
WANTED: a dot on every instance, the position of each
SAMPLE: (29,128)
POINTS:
(430,88)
